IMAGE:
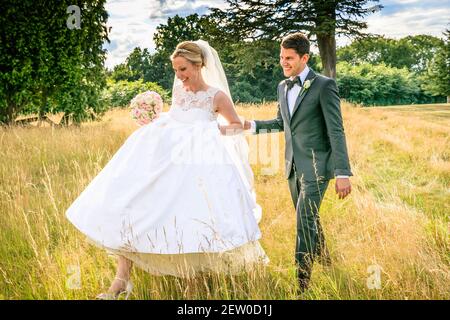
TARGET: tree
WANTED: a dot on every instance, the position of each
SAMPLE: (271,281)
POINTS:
(412,52)
(120,94)
(377,50)
(138,62)
(179,29)
(48,61)
(437,79)
(135,67)
(323,19)
(424,49)
(167,36)
(121,72)
(369,85)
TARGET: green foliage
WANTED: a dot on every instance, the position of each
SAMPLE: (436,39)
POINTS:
(121,72)
(253,70)
(119,94)
(176,30)
(412,52)
(424,49)
(437,78)
(382,71)
(135,67)
(370,85)
(47,66)
(179,29)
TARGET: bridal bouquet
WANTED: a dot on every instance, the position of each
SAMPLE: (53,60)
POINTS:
(146,107)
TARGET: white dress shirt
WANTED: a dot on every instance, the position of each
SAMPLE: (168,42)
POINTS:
(293,93)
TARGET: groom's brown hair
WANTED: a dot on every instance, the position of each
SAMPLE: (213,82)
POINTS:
(297,41)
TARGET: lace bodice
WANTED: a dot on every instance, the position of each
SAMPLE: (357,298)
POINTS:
(187,100)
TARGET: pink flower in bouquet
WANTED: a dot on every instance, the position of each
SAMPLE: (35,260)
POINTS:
(146,107)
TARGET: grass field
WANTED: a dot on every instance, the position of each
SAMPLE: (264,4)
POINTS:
(395,224)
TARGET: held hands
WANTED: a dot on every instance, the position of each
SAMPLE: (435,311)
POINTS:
(231,129)
(223,130)
(235,127)
(343,187)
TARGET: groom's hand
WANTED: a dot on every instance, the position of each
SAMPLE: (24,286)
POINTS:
(343,187)
(247,125)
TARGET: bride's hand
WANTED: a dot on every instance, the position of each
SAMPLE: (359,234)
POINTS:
(247,125)
(231,129)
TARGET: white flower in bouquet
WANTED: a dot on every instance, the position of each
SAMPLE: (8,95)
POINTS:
(146,107)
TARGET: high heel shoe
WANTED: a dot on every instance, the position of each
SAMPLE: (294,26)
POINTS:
(116,295)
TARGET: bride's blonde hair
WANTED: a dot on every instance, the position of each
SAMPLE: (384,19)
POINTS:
(190,51)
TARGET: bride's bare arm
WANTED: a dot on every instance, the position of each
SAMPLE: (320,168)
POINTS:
(225,107)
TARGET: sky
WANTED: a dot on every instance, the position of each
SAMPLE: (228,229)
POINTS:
(134,22)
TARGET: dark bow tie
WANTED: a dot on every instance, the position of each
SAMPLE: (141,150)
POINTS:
(290,83)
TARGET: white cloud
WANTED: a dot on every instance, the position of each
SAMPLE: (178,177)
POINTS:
(167,8)
(131,27)
(401,18)
(412,22)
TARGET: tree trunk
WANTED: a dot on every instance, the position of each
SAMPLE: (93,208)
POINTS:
(448,99)
(8,115)
(43,106)
(65,121)
(327,49)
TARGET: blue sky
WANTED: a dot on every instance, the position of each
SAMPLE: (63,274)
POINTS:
(134,22)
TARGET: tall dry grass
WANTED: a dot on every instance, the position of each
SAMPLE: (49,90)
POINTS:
(396,221)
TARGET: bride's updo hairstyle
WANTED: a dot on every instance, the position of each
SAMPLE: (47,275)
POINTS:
(190,51)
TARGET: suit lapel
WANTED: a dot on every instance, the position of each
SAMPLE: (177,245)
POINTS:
(311,75)
(284,103)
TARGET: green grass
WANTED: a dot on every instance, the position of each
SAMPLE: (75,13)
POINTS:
(397,216)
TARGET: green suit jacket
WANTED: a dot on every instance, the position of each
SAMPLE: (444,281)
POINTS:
(315,139)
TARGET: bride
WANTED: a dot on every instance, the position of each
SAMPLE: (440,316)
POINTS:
(177,198)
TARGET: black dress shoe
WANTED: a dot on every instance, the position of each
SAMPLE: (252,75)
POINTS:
(303,285)
(303,277)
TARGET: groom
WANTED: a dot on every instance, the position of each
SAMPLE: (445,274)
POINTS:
(309,114)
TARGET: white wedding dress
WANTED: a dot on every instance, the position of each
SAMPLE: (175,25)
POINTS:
(175,198)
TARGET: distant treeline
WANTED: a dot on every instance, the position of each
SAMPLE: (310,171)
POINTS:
(371,71)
